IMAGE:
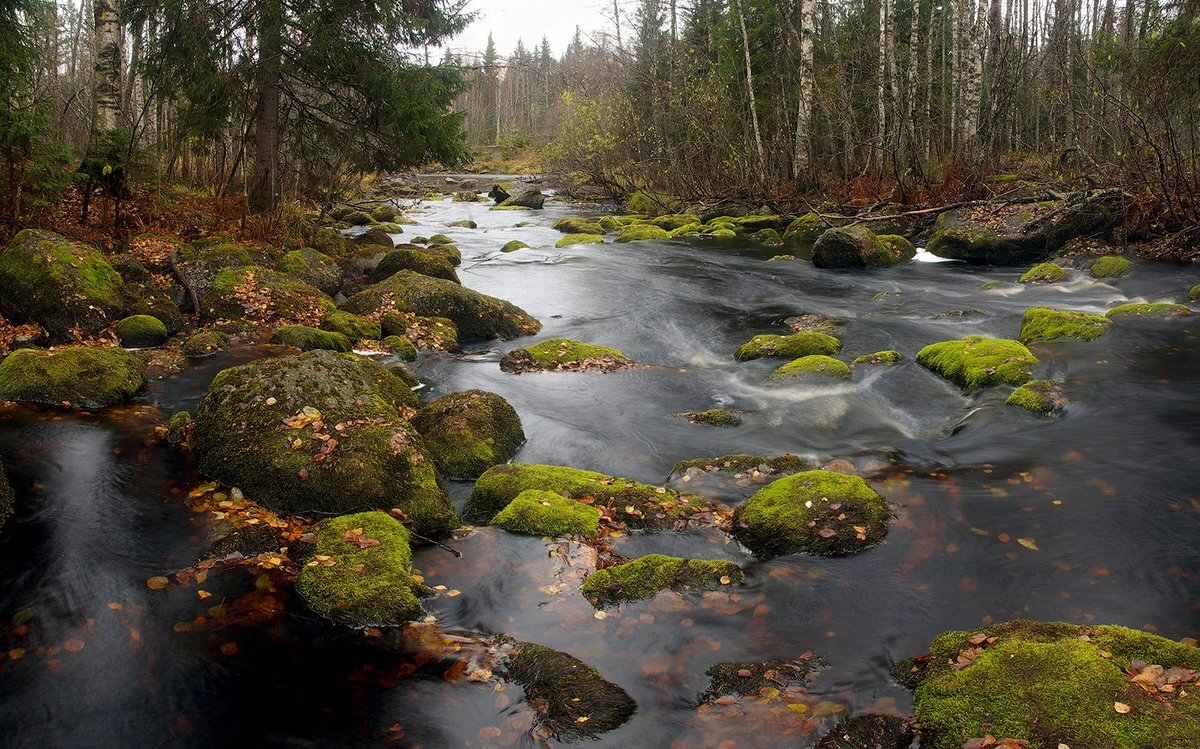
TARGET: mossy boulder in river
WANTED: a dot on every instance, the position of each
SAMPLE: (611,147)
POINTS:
(882,358)
(673,221)
(206,342)
(1044,324)
(424,262)
(542,513)
(976,362)
(859,247)
(647,576)
(806,228)
(254,293)
(72,376)
(352,326)
(1147,310)
(475,315)
(1111,267)
(816,512)
(563,355)
(313,268)
(61,285)
(358,573)
(812,367)
(437,333)
(271,428)
(311,339)
(577,225)
(788,346)
(1041,397)
(1045,273)
(573,700)
(716,417)
(141,331)
(531,198)
(1054,684)
(7,498)
(641,232)
(574,239)
(514,245)
(467,433)
(401,347)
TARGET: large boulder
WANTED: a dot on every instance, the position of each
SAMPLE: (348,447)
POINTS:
(314,268)
(257,294)
(142,331)
(859,247)
(528,198)
(150,294)
(647,576)
(427,263)
(1045,324)
(320,432)
(976,362)
(541,513)
(205,258)
(467,433)
(61,285)
(789,346)
(476,315)
(74,376)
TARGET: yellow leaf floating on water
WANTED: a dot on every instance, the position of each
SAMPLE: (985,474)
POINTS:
(157,583)
(1028,544)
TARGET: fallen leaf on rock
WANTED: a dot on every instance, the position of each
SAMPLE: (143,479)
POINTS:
(1121,707)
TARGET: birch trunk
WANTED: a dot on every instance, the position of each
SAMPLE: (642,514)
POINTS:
(107,65)
(803,142)
(758,143)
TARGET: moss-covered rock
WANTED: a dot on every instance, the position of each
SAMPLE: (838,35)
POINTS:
(609,224)
(745,463)
(1147,310)
(258,294)
(882,358)
(638,505)
(672,221)
(436,333)
(384,214)
(261,428)
(467,433)
(466,196)
(72,376)
(767,236)
(179,428)
(359,572)
(1111,267)
(1194,294)
(641,232)
(448,252)
(789,346)
(58,284)
(721,233)
(808,367)
(1041,397)
(805,228)
(375,237)
(147,293)
(746,679)
(576,225)
(563,355)
(311,339)
(514,245)
(466,223)
(574,239)
(689,230)
(352,326)
(357,218)
(142,331)
(541,513)
(313,268)
(989,285)
(976,362)
(859,247)
(475,315)
(896,247)
(815,512)
(573,700)
(1045,273)
(717,417)
(875,731)
(401,347)
(205,343)
(1044,324)
(1053,684)
(647,576)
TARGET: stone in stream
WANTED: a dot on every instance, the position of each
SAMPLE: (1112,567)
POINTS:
(1043,274)
(311,339)
(541,513)
(7,498)
(1044,324)
(563,355)
(674,221)
(498,194)
(815,512)
(1111,267)
(66,287)
(806,228)
(717,417)
(815,367)
(205,343)
(514,245)
(869,731)
(436,333)
(1054,684)
(78,376)
(1148,310)
(352,326)
(1194,294)
(476,315)
(313,268)
(574,239)
(142,331)
(401,347)
(1041,397)
(879,358)
(641,232)
(258,294)
(528,198)
(749,679)
(320,432)
(469,432)
(733,478)
(859,247)
(466,223)
(577,225)
(791,346)
(976,362)
(647,576)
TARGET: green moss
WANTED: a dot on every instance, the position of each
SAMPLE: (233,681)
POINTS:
(205,343)
(859,247)
(817,512)
(541,513)
(609,224)
(891,249)
(383,214)
(884,358)
(440,239)
(745,679)
(390,228)
(1045,273)
(369,583)
(812,366)
(257,293)
(805,228)
(573,700)
(767,236)
(574,239)
(467,433)
(791,346)
(562,354)
(310,339)
(1147,310)
(673,221)
(449,252)
(179,428)
(357,218)
(464,224)
(141,331)
(314,268)
(779,258)
(718,417)
(514,245)
(577,225)
(436,333)
(759,222)
(641,232)
(72,376)
(722,234)
(352,326)
(647,576)
(1111,267)
(401,347)
(418,261)
(977,362)
(1194,294)
(743,463)
(690,230)
(475,315)
(1043,324)
(7,498)
(652,507)
(989,285)
(1039,396)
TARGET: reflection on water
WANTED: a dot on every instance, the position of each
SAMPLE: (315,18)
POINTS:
(1087,518)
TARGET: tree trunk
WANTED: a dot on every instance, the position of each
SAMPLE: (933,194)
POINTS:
(263,190)
(758,143)
(107,66)
(803,144)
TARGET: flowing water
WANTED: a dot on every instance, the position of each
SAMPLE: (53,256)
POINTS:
(1089,518)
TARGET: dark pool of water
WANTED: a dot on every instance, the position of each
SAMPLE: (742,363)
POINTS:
(1105,499)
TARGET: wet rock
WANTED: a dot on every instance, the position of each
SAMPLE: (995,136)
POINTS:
(270,427)
(61,285)
(573,239)
(1194,294)
(880,358)
(357,218)
(717,417)
(467,433)
(352,326)
(1053,683)
(767,236)
(262,295)
(810,367)
(359,572)
(437,333)
(563,355)
(142,331)
(466,223)
(806,228)
(205,343)
(149,294)
(246,542)
(313,268)
(574,701)
(733,478)
(746,679)
(466,196)
(475,315)
(204,259)
(641,232)
(541,513)
(647,576)
(498,194)
(514,245)
(576,225)
(527,198)
(447,252)
(813,323)
(1044,324)
(179,428)
(401,347)
(1147,310)
(7,498)
(1045,273)
(815,512)
(792,346)
(72,376)
(780,464)
(859,247)
(1111,267)
(869,732)
(375,238)
(311,339)
(1041,397)
(384,214)
(976,362)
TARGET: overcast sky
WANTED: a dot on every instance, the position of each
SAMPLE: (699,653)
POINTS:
(510,20)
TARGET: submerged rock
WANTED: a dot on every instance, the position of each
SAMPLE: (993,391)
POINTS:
(746,679)
(1044,324)
(859,247)
(791,346)
(205,343)
(1111,267)
(313,268)
(61,285)
(262,295)
(1052,684)
(352,326)
(816,512)
(142,331)
(869,732)
(976,362)
(647,576)
(467,433)
(574,239)
(641,232)
(745,463)
(717,417)
(179,428)
(881,358)
(806,228)
(311,339)
(73,376)
(563,355)
(1044,273)
(359,574)
(7,498)
(1148,310)
(427,263)
(573,700)
(1041,397)
(464,224)
(270,427)
(540,513)
(815,366)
